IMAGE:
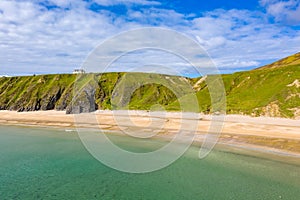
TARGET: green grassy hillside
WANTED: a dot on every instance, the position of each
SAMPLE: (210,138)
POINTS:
(290,60)
(45,92)
(272,90)
(269,91)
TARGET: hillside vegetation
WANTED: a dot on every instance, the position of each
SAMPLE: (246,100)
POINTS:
(272,90)
(291,60)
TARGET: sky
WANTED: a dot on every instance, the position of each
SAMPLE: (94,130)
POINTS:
(56,36)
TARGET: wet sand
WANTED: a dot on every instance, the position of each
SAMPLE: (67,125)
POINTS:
(275,135)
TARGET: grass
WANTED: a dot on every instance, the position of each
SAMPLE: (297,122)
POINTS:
(264,91)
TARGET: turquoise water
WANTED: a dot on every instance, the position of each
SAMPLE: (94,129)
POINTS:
(38,163)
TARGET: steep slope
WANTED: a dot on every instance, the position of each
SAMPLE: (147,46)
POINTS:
(290,60)
(273,90)
(270,92)
(47,92)
(30,93)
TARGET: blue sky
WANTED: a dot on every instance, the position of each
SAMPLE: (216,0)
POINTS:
(55,36)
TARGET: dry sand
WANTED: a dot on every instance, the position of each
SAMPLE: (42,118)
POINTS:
(275,135)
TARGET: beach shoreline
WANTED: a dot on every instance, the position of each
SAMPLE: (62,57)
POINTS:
(278,136)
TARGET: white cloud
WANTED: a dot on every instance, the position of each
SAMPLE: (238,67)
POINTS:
(156,16)
(61,3)
(287,12)
(36,39)
(126,2)
(213,42)
(49,40)
(243,39)
(239,63)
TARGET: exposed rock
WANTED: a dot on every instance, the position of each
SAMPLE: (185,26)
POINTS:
(37,105)
(21,109)
(64,100)
(296,112)
(292,96)
(84,102)
(49,102)
(296,83)
(271,110)
(197,85)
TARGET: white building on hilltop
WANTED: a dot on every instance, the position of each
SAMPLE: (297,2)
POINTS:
(4,76)
(78,71)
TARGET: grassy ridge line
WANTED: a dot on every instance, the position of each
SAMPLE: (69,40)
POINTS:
(44,92)
(290,60)
(270,91)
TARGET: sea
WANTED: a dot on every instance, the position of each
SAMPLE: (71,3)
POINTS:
(49,163)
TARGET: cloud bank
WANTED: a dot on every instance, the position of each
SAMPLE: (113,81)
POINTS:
(55,36)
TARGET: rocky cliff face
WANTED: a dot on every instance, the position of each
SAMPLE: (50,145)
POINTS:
(78,94)
(269,91)
(83,102)
(46,92)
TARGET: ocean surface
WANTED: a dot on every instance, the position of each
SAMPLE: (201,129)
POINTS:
(44,163)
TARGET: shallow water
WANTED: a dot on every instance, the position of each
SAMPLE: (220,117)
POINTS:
(38,163)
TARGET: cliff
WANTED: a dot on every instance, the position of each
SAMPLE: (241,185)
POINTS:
(272,90)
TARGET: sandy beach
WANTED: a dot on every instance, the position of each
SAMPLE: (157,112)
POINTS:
(276,135)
